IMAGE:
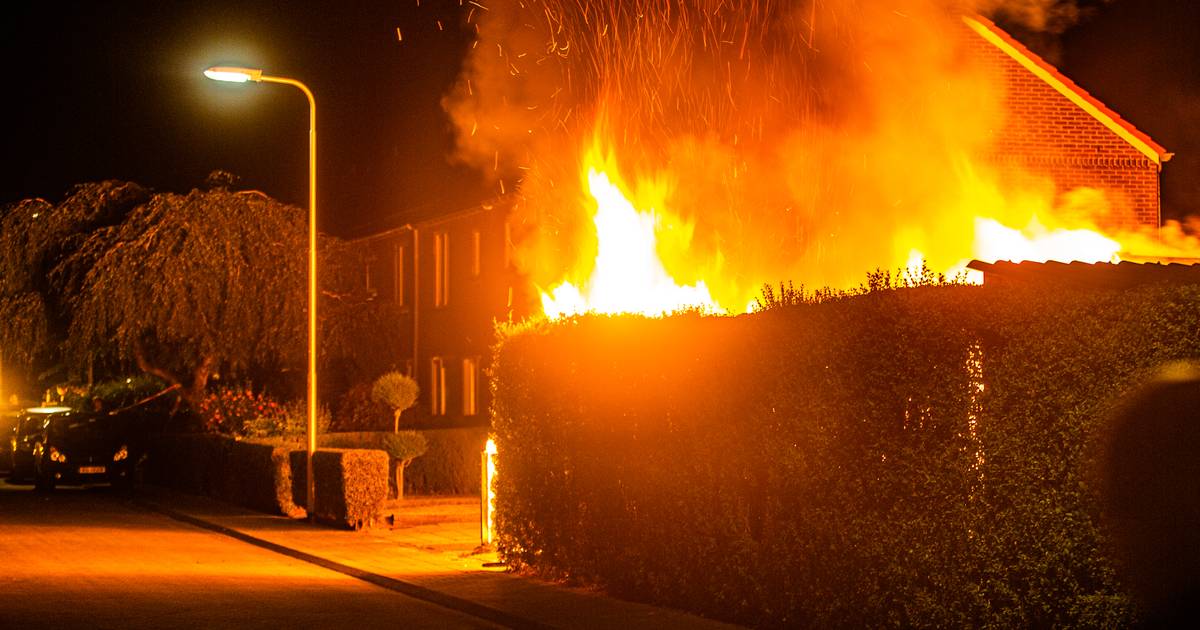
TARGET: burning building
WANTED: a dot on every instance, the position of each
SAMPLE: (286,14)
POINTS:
(653,156)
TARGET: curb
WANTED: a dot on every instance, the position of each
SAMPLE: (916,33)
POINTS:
(415,591)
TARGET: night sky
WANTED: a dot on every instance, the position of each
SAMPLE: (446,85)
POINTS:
(102,90)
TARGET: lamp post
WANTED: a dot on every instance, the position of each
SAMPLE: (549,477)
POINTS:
(242,75)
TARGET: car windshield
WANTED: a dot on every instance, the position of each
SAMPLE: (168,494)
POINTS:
(86,428)
(32,424)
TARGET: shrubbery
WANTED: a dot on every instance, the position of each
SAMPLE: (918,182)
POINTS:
(450,464)
(257,476)
(240,411)
(351,485)
(916,457)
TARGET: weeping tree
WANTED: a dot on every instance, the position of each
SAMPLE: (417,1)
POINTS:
(190,284)
(36,240)
(180,286)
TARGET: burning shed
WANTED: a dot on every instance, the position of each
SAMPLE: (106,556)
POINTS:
(1125,274)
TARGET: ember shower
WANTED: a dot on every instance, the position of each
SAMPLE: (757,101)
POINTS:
(810,140)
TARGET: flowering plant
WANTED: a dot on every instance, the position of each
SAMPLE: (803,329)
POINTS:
(235,410)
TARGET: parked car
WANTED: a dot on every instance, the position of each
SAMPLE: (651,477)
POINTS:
(25,434)
(8,426)
(62,445)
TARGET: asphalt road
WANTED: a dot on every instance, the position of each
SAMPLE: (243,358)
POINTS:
(89,557)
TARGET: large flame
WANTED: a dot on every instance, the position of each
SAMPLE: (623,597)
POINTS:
(627,274)
(751,143)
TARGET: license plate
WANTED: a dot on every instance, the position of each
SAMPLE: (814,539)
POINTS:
(91,470)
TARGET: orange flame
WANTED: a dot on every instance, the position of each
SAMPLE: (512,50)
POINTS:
(628,275)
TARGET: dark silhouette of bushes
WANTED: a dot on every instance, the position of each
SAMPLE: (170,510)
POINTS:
(910,457)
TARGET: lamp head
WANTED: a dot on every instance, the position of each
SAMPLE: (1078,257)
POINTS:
(233,74)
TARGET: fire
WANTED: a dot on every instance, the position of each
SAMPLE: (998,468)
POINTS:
(753,143)
(994,241)
(627,274)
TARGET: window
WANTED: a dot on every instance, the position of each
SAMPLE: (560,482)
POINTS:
(476,263)
(437,386)
(470,389)
(441,269)
(368,279)
(399,298)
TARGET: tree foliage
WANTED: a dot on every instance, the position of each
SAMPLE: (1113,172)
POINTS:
(36,239)
(397,391)
(190,283)
(181,286)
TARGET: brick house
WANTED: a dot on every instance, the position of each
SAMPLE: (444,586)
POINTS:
(453,276)
(1061,131)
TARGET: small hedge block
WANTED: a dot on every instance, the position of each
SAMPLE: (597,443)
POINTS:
(351,485)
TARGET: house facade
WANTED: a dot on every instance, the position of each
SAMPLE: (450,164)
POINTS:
(1056,129)
(454,276)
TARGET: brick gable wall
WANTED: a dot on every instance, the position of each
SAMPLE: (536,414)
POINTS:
(1047,135)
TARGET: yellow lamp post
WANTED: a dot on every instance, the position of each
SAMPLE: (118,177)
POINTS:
(242,75)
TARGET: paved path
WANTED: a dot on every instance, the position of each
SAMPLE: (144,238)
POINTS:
(429,554)
(430,551)
(91,558)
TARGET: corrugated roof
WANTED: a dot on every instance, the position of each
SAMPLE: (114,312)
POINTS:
(1106,275)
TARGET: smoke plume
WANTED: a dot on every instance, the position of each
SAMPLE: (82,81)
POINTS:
(803,139)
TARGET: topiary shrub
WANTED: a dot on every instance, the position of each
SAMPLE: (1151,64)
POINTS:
(403,447)
(397,391)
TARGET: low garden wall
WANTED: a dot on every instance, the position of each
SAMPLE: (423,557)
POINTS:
(917,457)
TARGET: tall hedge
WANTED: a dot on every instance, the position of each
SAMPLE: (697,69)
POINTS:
(910,457)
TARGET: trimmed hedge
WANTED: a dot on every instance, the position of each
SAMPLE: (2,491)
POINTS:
(352,485)
(450,465)
(271,478)
(834,464)
(257,476)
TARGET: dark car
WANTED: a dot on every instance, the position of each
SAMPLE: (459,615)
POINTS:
(26,433)
(61,445)
(8,426)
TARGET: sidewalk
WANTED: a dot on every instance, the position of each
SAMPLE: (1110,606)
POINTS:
(426,554)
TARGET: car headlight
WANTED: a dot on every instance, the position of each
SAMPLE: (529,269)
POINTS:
(56,456)
(122,453)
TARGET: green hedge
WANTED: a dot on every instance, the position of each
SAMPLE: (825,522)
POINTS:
(449,466)
(352,485)
(833,464)
(257,476)
(271,477)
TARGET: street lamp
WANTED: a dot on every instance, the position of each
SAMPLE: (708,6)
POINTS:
(242,75)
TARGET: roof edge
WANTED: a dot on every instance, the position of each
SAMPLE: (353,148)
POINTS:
(1081,98)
